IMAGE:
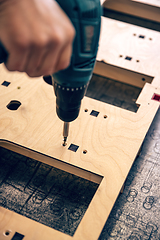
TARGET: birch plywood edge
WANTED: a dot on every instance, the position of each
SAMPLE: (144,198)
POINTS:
(112,143)
(148,9)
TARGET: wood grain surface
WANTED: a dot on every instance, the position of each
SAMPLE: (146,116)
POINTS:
(112,143)
(146,9)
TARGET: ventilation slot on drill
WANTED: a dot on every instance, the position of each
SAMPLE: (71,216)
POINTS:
(92,11)
(90,14)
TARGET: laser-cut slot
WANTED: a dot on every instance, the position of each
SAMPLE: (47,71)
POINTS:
(17,236)
(46,194)
(73,147)
(94,113)
(128,58)
(141,36)
(117,86)
(5,83)
(13,105)
(156,97)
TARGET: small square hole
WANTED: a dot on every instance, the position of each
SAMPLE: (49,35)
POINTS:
(94,113)
(5,83)
(141,36)
(17,236)
(128,58)
(73,147)
(156,97)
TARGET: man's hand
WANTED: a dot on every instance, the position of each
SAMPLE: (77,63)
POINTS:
(37,34)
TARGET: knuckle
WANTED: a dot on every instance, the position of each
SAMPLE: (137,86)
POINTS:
(22,44)
(63,65)
(70,33)
(41,42)
(13,66)
(58,39)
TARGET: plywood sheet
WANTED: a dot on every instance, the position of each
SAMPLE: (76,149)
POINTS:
(146,9)
(149,2)
(111,142)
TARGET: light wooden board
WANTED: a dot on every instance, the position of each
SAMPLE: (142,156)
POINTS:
(149,2)
(112,143)
(148,9)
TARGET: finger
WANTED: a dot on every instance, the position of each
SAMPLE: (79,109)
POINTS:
(45,62)
(17,59)
(35,58)
(64,58)
(56,59)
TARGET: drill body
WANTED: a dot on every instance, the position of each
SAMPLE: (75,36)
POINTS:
(70,84)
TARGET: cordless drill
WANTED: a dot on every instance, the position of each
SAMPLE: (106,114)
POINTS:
(70,85)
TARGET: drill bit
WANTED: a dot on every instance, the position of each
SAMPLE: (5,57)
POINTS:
(65,132)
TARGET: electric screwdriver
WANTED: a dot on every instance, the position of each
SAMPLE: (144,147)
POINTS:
(70,85)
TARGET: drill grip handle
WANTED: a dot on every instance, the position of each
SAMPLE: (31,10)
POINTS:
(3,54)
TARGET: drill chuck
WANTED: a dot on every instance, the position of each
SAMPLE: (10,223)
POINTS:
(68,101)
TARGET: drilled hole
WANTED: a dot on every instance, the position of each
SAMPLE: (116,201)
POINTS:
(105,116)
(14,105)
(86,110)
(143,79)
(84,151)
(7,233)
(5,83)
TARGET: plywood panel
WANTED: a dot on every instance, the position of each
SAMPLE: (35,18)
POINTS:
(149,2)
(112,143)
(143,9)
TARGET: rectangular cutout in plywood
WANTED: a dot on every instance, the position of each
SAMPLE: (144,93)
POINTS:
(118,93)
(149,2)
(144,9)
(43,193)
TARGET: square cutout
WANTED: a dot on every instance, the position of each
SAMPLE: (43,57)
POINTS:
(156,97)
(17,236)
(5,83)
(73,147)
(45,194)
(94,113)
(128,58)
(141,36)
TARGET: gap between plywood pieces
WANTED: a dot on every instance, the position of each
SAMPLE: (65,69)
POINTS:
(121,74)
(135,8)
(52,161)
